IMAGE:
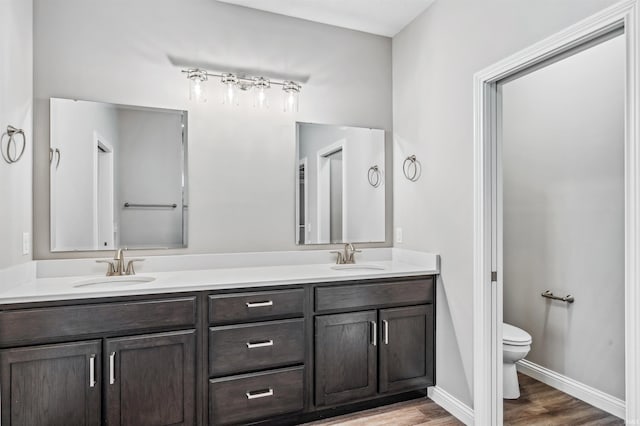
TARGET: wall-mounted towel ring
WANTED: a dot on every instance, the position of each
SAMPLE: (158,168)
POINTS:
(412,168)
(13,137)
(374,176)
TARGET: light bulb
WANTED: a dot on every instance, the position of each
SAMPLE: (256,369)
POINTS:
(229,96)
(196,85)
(261,85)
(292,95)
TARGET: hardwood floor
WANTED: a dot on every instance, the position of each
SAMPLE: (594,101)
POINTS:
(410,413)
(538,405)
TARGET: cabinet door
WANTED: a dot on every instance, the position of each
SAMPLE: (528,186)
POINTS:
(51,385)
(406,348)
(346,360)
(150,379)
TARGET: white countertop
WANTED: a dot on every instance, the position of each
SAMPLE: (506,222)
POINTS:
(49,288)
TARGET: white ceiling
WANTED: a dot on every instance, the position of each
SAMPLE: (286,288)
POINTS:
(383,17)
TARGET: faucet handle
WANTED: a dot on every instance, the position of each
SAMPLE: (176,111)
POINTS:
(111,269)
(130,270)
(340,259)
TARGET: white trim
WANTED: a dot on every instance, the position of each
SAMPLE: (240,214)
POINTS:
(487,298)
(303,162)
(453,405)
(592,396)
(323,191)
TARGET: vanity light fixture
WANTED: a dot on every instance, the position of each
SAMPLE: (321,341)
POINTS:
(233,83)
(292,95)
(197,77)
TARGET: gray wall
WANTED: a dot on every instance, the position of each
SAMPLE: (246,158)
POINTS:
(242,161)
(563,158)
(434,60)
(16,109)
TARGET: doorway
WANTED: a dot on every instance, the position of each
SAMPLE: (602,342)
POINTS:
(104,223)
(488,205)
(561,139)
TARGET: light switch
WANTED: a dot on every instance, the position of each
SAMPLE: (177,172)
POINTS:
(26,243)
(398,235)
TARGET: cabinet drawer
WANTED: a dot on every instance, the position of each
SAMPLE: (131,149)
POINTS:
(251,397)
(241,348)
(412,292)
(46,324)
(258,306)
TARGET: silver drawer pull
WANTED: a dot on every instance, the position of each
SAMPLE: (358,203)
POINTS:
(112,367)
(385,330)
(92,370)
(259,304)
(262,344)
(259,394)
(374,327)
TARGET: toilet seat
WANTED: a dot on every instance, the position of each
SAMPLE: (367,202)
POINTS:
(515,336)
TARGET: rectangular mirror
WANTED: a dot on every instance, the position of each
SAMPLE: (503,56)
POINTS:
(340,184)
(118,176)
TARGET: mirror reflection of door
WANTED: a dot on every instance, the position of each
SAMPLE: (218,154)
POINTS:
(104,191)
(302,200)
(335,196)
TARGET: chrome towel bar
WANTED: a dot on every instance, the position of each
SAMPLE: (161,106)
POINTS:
(549,295)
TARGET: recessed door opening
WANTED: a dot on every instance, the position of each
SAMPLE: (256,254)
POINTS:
(560,212)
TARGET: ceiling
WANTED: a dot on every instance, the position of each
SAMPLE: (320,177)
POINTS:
(383,17)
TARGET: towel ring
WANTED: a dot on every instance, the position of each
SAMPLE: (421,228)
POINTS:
(10,137)
(374,176)
(411,168)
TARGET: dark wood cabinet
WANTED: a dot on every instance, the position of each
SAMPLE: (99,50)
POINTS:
(406,348)
(51,385)
(289,354)
(150,379)
(346,360)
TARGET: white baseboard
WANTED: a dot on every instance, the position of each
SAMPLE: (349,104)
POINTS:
(599,399)
(453,405)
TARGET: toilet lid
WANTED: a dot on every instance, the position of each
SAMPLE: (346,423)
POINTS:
(514,335)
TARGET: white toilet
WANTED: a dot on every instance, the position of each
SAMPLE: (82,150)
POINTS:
(516,344)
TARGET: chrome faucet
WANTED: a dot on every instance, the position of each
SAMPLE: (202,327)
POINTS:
(347,256)
(116,267)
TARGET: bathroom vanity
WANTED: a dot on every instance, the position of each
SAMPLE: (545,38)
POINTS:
(233,355)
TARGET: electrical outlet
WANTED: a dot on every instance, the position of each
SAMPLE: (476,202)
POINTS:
(398,235)
(26,243)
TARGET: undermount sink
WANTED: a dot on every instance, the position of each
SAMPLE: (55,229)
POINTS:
(116,281)
(358,267)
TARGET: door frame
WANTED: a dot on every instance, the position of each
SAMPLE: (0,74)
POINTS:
(304,163)
(101,143)
(323,194)
(487,292)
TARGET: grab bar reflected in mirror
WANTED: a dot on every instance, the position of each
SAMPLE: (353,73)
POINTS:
(132,205)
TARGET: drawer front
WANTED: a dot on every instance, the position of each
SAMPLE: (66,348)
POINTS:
(46,324)
(252,397)
(241,348)
(258,306)
(412,292)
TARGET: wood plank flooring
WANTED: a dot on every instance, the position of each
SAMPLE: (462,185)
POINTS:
(538,405)
(542,405)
